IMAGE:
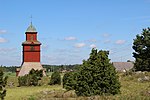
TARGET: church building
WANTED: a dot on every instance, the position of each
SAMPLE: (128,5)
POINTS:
(31,52)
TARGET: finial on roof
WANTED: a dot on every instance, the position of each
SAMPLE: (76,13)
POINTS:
(31,19)
(31,28)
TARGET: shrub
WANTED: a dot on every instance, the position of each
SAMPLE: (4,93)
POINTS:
(35,76)
(55,78)
(22,80)
(31,79)
(69,80)
(3,82)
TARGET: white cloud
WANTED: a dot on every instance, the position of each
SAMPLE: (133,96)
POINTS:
(106,35)
(107,41)
(93,46)
(80,45)
(7,49)
(56,59)
(70,38)
(92,40)
(120,42)
(2,40)
(2,31)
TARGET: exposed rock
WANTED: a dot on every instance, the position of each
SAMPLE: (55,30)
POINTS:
(69,94)
(145,78)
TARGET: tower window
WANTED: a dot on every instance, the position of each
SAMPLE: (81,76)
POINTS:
(32,48)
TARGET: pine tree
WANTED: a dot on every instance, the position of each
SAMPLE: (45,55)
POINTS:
(141,45)
(3,82)
(97,76)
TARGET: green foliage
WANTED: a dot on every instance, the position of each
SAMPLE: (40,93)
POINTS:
(3,82)
(55,78)
(141,46)
(35,76)
(97,76)
(49,68)
(22,80)
(69,80)
(54,68)
(31,79)
(9,68)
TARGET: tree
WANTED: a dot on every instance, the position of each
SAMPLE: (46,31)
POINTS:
(3,82)
(141,46)
(97,76)
(55,78)
(69,81)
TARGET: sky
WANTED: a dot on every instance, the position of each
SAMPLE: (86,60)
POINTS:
(69,29)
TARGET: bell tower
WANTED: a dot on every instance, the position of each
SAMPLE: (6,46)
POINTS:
(31,52)
(31,47)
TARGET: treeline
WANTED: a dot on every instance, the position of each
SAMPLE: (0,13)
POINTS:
(49,68)
(9,68)
(54,68)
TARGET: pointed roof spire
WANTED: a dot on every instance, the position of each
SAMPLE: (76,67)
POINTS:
(31,19)
(31,28)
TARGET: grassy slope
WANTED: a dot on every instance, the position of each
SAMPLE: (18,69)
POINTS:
(131,90)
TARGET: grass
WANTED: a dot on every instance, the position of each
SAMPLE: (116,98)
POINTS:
(131,89)
(9,74)
(23,93)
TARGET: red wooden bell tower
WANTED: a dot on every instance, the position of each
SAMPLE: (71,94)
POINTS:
(31,47)
(31,52)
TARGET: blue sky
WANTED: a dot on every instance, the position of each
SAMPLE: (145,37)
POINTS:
(68,29)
